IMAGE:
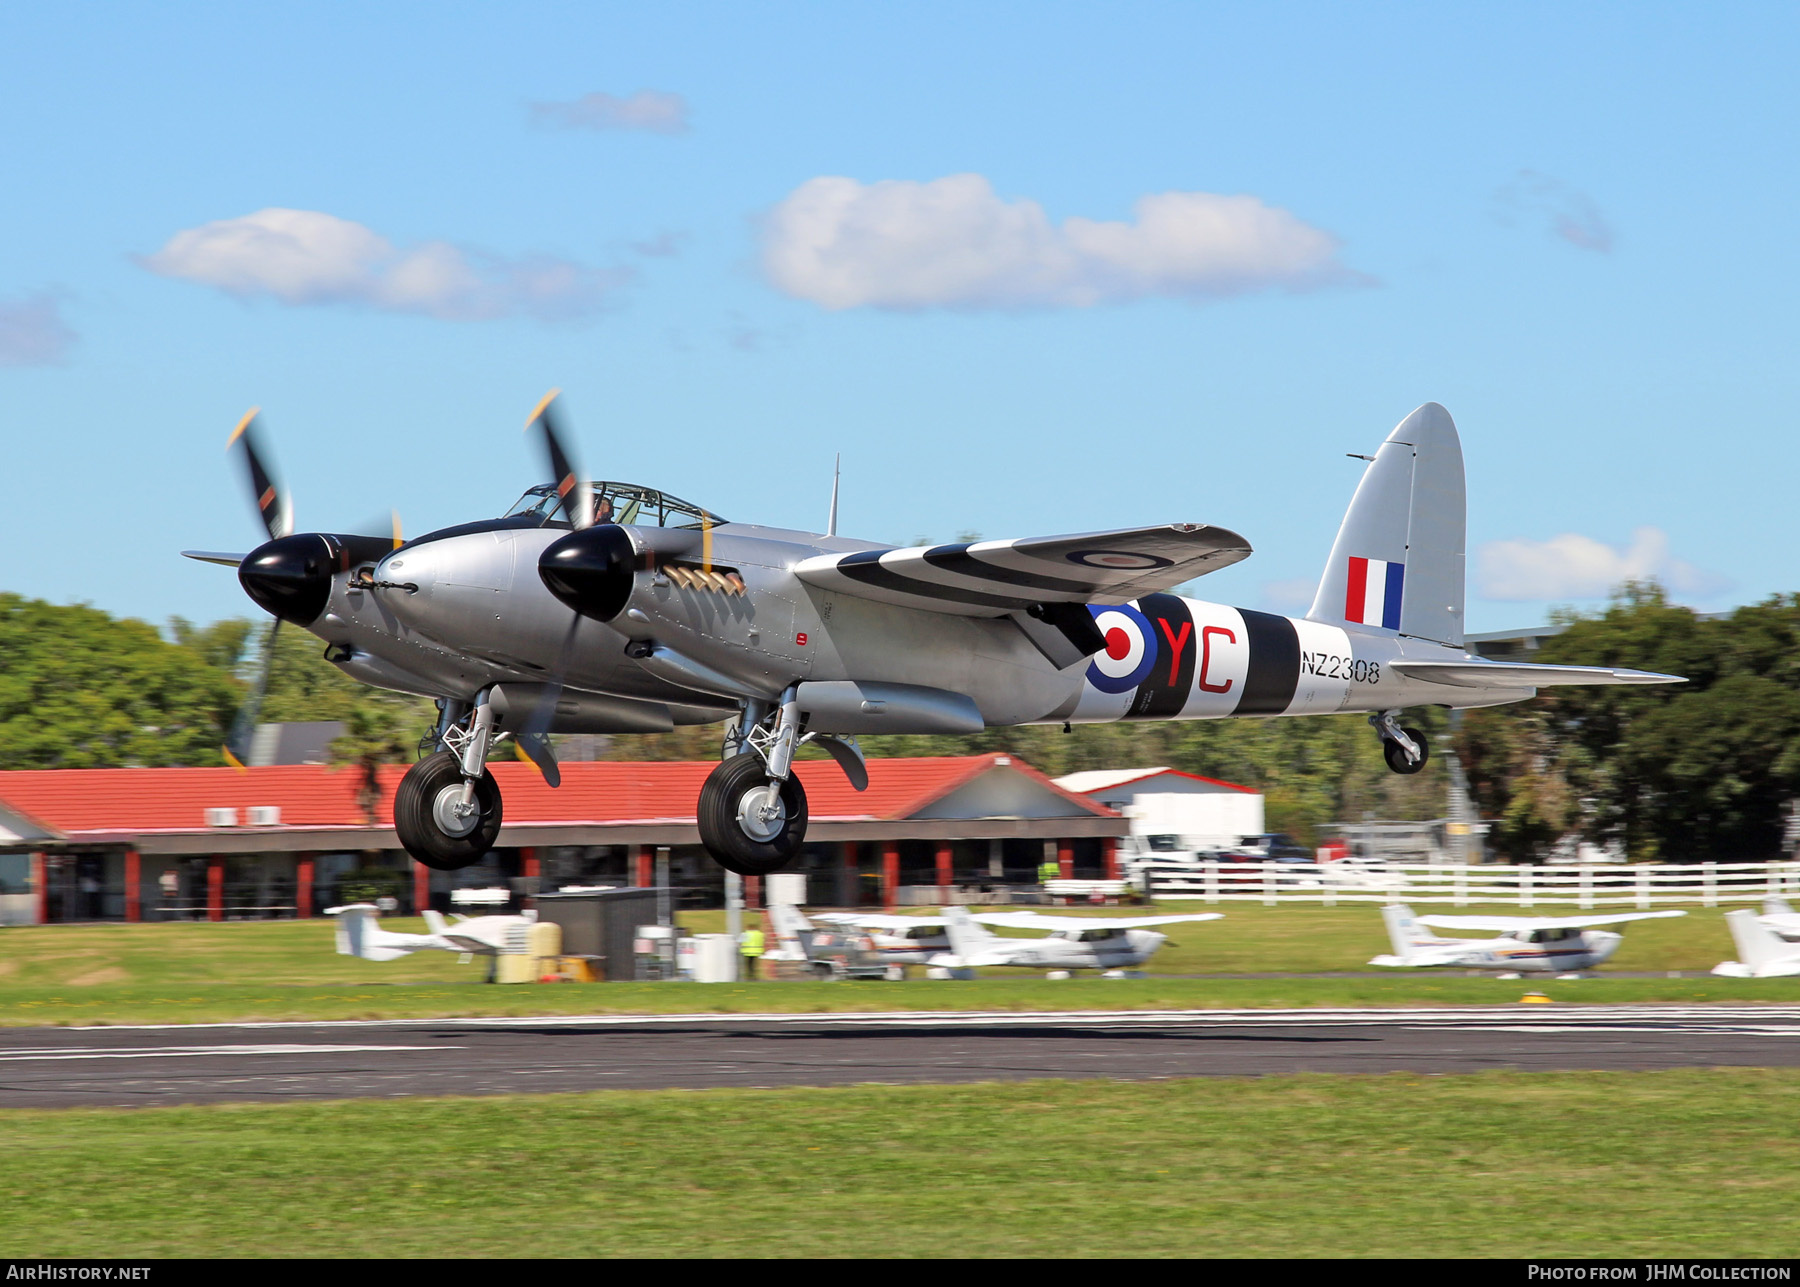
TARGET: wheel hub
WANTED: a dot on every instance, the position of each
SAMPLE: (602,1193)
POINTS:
(762,813)
(454,818)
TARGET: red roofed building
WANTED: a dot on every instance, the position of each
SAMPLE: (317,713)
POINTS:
(152,844)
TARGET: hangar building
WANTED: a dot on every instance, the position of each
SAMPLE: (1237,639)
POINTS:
(291,840)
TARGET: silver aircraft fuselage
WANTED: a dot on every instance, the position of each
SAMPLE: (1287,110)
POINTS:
(457,611)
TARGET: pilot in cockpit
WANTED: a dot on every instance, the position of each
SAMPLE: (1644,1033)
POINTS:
(602,510)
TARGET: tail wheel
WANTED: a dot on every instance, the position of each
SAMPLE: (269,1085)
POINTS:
(1397,758)
(430,824)
(737,825)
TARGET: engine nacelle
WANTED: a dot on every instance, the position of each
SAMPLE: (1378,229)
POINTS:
(596,570)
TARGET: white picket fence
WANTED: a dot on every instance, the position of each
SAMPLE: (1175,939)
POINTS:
(1643,886)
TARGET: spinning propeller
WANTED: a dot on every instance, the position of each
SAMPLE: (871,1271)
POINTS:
(290,575)
(578,504)
(568,479)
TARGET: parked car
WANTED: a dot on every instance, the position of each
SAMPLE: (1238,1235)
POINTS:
(1272,846)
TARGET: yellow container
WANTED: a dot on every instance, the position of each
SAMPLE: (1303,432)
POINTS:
(543,944)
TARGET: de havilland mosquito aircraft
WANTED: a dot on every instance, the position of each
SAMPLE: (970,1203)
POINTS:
(611,607)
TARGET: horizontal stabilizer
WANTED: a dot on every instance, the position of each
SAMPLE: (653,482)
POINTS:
(991,578)
(1513,674)
(1507,924)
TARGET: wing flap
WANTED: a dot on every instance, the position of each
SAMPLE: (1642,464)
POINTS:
(992,578)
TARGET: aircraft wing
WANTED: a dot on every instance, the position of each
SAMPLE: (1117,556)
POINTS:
(992,578)
(1504,924)
(1036,920)
(878,922)
(1515,674)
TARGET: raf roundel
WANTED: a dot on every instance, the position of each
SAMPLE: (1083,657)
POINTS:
(1119,560)
(1130,649)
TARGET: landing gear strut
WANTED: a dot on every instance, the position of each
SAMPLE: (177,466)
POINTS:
(1405,749)
(447,808)
(752,813)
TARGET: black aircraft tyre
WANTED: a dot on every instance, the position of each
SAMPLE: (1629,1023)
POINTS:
(722,812)
(1396,754)
(426,826)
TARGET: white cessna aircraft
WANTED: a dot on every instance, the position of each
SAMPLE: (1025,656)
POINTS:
(1764,952)
(1562,945)
(1108,943)
(359,935)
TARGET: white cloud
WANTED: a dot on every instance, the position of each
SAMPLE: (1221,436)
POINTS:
(1571,214)
(1572,566)
(954,243)
(308,257)
(32,332)
(649,110)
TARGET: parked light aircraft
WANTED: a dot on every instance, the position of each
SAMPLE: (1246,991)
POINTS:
(1110,943)
(610,607)
(1525,944)
(1762,951)
(358,934)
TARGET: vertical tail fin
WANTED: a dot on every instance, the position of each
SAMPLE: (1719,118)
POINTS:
(434,921)
(1401,928)
(359,935)
(967,939)
(1397,563)
(1758,946)
(1773,906)
(787,920)
(352,927)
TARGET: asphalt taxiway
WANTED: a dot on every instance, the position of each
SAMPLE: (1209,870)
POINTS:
(195,1063)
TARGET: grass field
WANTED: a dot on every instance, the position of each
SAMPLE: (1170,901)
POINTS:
(182,973)
(1492,1165)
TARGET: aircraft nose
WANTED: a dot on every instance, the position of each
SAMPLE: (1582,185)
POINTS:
(290,577)
(591,570)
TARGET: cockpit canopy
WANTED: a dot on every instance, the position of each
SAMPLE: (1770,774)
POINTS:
(625,503)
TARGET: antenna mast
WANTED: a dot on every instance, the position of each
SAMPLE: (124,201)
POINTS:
(831,523)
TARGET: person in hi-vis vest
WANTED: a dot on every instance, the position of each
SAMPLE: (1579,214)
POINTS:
(750,943)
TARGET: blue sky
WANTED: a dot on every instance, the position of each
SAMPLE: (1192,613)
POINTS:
(1572,225)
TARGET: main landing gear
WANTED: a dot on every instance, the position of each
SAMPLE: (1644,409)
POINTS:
(447,808)
(752,813)
(1405,749)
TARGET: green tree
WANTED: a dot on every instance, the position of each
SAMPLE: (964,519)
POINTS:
(82,689)
(1701,771)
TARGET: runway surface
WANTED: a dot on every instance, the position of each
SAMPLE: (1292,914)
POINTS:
(194,1063)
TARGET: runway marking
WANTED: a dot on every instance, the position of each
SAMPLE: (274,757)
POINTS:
(1485,1016)
(179,1052)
